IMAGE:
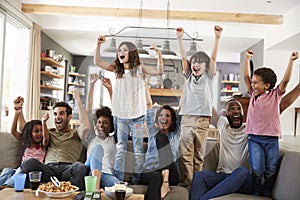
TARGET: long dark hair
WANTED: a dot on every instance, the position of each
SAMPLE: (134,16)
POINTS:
(173,115)
(26,137)
(133,60)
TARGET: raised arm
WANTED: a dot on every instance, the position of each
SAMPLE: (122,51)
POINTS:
(84,127)
(107,84)
(248,55)
(215,117)
(18,105)
(289,98)
(213,58)
(150,70)
(45,130)
(14,130)
(89,104)
(98,61)
(288,72)
(184,59)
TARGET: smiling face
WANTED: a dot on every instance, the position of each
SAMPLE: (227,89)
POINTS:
(258,86)
(234,113)
(164,120)
(198,68)
(123,53)
(61,119)
(37,134)
(199,63)
(104,126)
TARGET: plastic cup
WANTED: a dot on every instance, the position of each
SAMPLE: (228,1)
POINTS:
(120,190)
(35,179)
(19,182)
(90,183)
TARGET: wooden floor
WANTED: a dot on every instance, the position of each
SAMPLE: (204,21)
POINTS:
(290,143)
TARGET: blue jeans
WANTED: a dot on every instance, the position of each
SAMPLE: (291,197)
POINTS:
(73,172)
(151,157)
(94,161)
(136,128)
(208,184)
(264,157)
(6,177)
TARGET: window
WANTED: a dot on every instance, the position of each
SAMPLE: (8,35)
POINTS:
(14,65)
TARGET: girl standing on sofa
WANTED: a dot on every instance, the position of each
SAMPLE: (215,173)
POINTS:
(34,139)
(263,122)
(128,101)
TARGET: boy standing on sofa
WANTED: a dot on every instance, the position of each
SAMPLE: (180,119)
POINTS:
(196,105)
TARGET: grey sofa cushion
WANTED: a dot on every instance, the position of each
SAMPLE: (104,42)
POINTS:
(288,179)
(10,151)
(236,196)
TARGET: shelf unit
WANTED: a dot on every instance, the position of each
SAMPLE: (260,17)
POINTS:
(81,85)
(228,86)
(51,92)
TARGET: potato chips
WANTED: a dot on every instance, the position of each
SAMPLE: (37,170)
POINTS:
(65,186)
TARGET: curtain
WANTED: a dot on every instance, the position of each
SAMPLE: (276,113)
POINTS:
(34,74)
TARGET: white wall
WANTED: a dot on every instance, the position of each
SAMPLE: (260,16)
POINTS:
(278,60)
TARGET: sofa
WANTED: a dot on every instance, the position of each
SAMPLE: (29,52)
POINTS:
(285,188)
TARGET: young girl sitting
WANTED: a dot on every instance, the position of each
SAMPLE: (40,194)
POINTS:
(128,101)
(34,139)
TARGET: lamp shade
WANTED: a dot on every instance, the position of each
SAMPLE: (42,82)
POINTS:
(166,49)
(112,47)
(193,49)
(139,45)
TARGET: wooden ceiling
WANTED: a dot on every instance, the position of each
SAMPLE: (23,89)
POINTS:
(154,14)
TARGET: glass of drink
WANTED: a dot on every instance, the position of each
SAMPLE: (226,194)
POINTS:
(19,182)
(120,190)
(35,179)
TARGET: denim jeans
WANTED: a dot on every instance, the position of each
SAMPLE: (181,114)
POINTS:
(73,172)
(136,128)
(151,157)
(94,161)
(6,177)
(264,157)
(208,184)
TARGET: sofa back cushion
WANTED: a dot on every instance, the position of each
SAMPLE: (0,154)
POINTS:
(288,179)
(10,151)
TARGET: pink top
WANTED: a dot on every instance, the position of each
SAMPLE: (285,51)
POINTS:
(263,114)
(34,152)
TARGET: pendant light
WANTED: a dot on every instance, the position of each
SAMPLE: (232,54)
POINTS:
(193,49)
(166,47)
(112,47)
(139,42)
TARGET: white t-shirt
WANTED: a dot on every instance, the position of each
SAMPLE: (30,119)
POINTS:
(233,147)
(109,146)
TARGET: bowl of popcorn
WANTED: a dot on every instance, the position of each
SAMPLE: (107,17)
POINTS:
(110,192)
(65,189)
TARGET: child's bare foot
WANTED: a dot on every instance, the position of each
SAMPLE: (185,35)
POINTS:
(97,173)
(165,189)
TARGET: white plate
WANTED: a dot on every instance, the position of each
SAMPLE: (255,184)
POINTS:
(58,194)
(110,192)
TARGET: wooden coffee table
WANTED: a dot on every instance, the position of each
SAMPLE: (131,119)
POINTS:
(10,194)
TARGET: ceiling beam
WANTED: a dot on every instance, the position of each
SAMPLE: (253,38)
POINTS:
(154,14)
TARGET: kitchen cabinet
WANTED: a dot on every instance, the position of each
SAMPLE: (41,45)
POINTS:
(52,82)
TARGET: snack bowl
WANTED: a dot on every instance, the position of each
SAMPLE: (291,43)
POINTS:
(58,194)
(110,192)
